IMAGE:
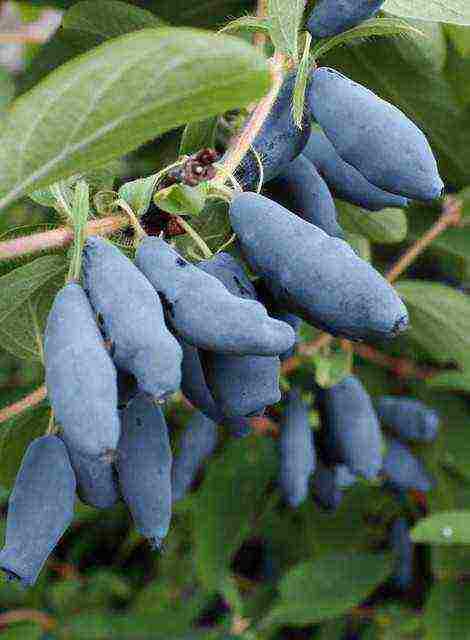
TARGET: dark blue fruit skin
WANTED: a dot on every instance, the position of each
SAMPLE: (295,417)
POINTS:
(374,136)
(194,387)
(132,318)
(40,508)
(409,419)
(80,375)
(203,312)
(403,470)
(402,548)
(351,428)
(346,182)
(326,492)
(197,443)
(297,450)
(144,468)
(314,276)
(302,190)
(279,141)
(240,385)
(330,17)
(96,478)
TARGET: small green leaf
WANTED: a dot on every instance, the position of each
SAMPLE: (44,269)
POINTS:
(331,369)
(444,528)
(451,11)
(181,199)
(138,194)
(15,436)
(212,225)
(452,380)
(360,244)
(248,23)
(198,135)
(82,121)
(439,320)
(286,18)
(367,29)
(328,587)
(95,22)
(303,74)
(388,226)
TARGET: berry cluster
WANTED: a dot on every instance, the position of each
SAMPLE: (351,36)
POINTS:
(136,332)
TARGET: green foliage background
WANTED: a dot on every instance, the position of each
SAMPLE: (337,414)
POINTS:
(237,562)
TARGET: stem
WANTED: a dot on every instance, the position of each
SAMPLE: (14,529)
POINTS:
(259,39)
(34,398)
(21,615)
(256,121)
(401,367)
(451,216)
(206,252)
(57,238)
(139,231)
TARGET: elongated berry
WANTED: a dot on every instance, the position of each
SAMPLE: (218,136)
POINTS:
(403,470)
(344,180)
(409,419)
(350,427)
(314,276)
(197,443)
(326,492)
(301,189)
(402,549)
(374,136)
(279,141)
(132,318)
(80,375)
(330,17)
(203,312)
(144,468)
(297,450)
(40,509)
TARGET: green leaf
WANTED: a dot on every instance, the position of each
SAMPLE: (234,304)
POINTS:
(447,611)
(328,587)
(231,495)
(451,11)
(179,199)
(286,18)
(15,436)
(212,225)
(95,22)
(460,38)
(331,369)
(82,121)
(445,528)
(452,380)
(388,226)
(248,23)
(303,74)
(25,299)
(198,135)
(439,320)
(367,29)
(138,194)
(360,244)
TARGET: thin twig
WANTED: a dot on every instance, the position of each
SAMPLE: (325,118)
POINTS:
(401,367)
(34,398)
(259,39)
(57,238)
(46,621)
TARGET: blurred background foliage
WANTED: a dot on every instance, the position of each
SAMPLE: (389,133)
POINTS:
(237,562)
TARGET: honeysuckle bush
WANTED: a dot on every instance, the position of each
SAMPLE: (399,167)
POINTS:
(114,104)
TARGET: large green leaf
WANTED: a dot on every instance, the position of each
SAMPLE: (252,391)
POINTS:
(452,11)
(230,497)
(447,612)
(445,528)
(328,587)
(112,99)
(440,317)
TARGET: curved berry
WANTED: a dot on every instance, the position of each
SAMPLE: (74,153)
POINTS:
(144,468)
(314,276)
(197,443)
(330,17)
(297,450)
(40,509)
(374,136)
(403,470)
(344,180)
(302,190)
(132,318)
(203,312)
(409,419)
(80,375)
(350,427)
(279,141)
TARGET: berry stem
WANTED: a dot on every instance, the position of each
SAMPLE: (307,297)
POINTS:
(34,398)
